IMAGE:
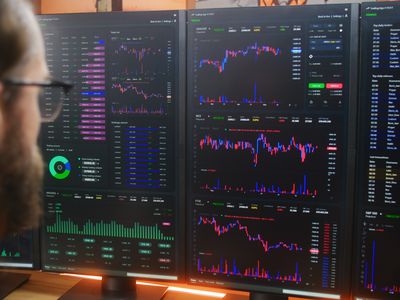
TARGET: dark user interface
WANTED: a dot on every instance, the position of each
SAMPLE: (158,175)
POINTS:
(110,186)
(17,250)
(268,104)
(378,232)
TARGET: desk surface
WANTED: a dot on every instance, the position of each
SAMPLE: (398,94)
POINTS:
(49,286)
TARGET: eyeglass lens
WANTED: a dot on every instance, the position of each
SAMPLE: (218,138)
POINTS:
(51,102)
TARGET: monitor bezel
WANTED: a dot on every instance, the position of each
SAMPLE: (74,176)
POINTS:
(35,255)
(345,276)
(180,31)
(361,168)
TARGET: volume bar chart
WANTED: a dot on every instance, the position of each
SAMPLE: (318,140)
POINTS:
(99,236)
(378,274)
(254,99)
(4,253)
(258,271)
(296,189)
(137,110)
(108,229)
(17,250)
(371,275)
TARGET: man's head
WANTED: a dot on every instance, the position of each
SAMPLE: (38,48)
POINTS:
(21,58)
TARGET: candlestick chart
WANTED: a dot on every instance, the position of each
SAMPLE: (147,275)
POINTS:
(241,73)
(275,160)
(257,242)
(140,81)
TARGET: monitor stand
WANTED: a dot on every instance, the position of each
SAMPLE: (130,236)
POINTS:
(262,296)
(10,282)
(117,288)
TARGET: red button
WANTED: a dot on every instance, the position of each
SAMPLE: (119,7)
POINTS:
(334,86)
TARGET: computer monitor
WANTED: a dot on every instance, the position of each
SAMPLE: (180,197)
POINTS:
(377,242)
(114,163)
(17,251)
(20,251)
(271,106)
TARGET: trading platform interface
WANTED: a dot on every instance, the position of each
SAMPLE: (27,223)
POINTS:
(378,231)
(19,250)
(111,186)
(268,108)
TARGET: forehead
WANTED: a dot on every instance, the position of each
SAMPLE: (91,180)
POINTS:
(36,61)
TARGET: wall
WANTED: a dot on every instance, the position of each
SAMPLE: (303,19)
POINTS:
(71,6)
(75,6)
(37,5)
(153,5)
(67,6)
(225,3)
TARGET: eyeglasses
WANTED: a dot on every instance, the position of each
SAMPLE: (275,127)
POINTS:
(51,99)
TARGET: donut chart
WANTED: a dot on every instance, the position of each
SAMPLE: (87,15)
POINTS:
(59,167)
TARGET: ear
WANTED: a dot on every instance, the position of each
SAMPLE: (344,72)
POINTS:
(2,94)
(2,91)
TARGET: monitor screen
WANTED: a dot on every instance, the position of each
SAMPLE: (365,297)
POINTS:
(20,250)
(112,156)
(378,205)
(270,140)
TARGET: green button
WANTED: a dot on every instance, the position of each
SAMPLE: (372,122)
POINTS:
(107,249)
(164,246)
(91,241)
(316,85)
(392,216)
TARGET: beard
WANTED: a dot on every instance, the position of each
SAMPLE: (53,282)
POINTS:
(21,179)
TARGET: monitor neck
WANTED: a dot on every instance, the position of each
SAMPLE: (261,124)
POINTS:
(119,287)
(262,296)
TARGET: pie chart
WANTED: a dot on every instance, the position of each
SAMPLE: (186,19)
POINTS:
(59,167)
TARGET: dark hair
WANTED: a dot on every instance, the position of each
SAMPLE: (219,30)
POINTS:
(15,33)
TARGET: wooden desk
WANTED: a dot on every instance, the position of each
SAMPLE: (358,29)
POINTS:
(44,286)
(51,286)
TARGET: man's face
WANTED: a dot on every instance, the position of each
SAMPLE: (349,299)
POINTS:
(21,165)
